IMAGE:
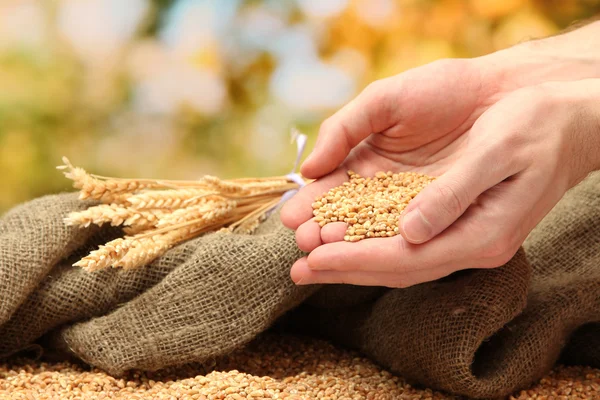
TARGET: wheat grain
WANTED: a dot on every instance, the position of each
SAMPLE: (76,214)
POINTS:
(370,206)
(273,366)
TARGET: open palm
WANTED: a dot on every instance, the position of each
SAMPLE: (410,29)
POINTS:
(454,120)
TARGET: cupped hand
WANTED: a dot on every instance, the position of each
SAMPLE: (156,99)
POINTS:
(503,153)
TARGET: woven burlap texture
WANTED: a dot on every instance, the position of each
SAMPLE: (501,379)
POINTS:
(481,333)
(201,300)
(484,333)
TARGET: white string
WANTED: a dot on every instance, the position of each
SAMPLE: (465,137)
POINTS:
(295,177)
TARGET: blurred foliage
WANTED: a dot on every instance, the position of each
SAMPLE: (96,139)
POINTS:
(182,88)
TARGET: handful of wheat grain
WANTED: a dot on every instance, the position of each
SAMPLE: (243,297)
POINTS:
(371,207)
(159,214)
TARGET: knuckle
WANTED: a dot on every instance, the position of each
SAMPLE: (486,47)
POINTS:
(373,88)
(452,199)
(327,125)
(534,100)
(444,63)
(399,283)
(501,247)
(494,248)
(450,65)
(376,93)
(513,141)
(335,126)
(399,266)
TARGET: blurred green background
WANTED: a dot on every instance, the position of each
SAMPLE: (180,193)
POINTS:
(181,88)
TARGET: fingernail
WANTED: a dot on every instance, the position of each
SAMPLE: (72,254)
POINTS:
(300,282)
(416,227)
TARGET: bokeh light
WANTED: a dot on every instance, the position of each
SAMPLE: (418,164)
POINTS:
(182,88)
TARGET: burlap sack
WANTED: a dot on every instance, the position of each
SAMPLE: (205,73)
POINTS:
(201,300)
(484,333)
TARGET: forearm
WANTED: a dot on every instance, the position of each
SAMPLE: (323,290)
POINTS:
(578,40)
(569,56)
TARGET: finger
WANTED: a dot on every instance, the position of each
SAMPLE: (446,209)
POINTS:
(374,110)
(308,236)
(387,255)
(458,247)
(298,209)
(485,236)
(408,103)
(333,232)
(302,274)
(445,199)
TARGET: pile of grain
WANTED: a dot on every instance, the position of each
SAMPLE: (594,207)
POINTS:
(273,367)
(370,206)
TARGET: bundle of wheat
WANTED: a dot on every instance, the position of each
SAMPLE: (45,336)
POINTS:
(159,214)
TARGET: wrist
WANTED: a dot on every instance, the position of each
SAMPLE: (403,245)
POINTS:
(583,130)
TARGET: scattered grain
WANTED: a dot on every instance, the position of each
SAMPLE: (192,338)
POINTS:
(272,367)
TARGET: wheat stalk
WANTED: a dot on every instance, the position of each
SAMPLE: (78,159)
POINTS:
(159,214)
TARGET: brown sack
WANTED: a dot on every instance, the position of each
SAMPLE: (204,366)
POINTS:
(33,239)
(201,300)
(486,333)
(481,333)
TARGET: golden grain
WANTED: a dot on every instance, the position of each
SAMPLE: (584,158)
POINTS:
(274,367)
(371,207)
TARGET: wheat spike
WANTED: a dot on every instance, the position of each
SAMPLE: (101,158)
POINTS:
(206,214)
(116,215)
(170,198)
(106,190)
(106,255)
(159,214)
(144,250)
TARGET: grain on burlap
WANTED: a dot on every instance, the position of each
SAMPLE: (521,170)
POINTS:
(203,299)
(486,333)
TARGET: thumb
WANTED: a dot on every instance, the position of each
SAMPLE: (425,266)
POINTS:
(444,200)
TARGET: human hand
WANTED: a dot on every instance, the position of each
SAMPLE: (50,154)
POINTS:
(504,149)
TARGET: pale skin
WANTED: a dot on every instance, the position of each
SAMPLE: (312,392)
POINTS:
(505,134)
